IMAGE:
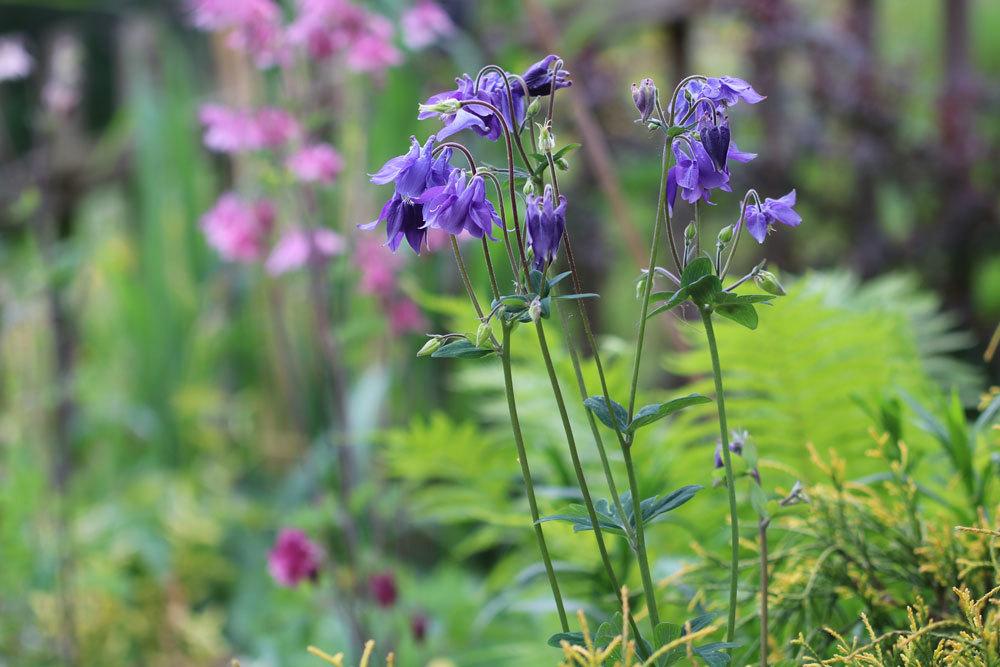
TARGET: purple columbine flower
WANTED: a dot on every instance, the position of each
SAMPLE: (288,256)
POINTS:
(644,96)
(715,137)
(478,118)
(760,219)
(459,206)
(413,174)
(539,77)
(546,224)
(695,174)
(723,91)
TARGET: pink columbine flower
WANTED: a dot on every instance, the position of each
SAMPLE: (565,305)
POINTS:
(318,163)
(230,130)
(424,23)
(15,62)
(405,317)
(294,558)
(328,27)
(383,588)
(238,229)
(378,266)
(297,245)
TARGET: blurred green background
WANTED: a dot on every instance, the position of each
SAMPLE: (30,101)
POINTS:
(156,433)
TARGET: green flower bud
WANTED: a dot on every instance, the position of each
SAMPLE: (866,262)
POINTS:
(529,187)
(483,334)
(546,138)
(533,108)
(562,164)
(447,107)
(430,347)
(535,310)
(726,235)
(768,282)
(690,232)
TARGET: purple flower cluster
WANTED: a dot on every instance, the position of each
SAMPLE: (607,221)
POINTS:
(546,222)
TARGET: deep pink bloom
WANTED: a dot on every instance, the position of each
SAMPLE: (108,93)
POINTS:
(405,317)
(378,266)
(15,62)
(383,588)
(238,229)
(294,558)
(253,26)
(419,623)
(317,163)
(328,27)
(235,130)
(424,23)
(297,245)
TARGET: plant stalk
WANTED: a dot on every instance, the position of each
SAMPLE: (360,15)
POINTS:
(762,535)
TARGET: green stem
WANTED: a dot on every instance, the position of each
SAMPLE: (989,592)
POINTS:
(762,534)
(720,400)
(522,457)
(640,536)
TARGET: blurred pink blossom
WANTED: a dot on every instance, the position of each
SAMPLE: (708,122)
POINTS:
(405,316)
(294,558)
(378,266)
(327,27)
(317,163)
(15,62)
(253,26)
(296,245)
(238,229)
(424,23)
(234,130)
(383,588)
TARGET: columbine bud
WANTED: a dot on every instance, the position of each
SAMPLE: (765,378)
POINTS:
(430,347)
(546,138)
(483,334)
(533,108)
(726,235)
(562,164)
(529,187)
(690,232)
(447,107)
(769,283)
(644,96)
(535,310)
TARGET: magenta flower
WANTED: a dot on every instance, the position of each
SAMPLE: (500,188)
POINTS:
(419,624)
(761,219)
(15,62)
(253,26)
(235,130)
(424,23)
(405,317)
(238,229)
(318,163)
(383,588)
(294,558)
(328,27)
(296,247)
(378,267)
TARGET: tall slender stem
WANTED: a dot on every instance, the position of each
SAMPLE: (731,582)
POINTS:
(720,401)
(640,537)
(489,269)
(522,457)
(762,536)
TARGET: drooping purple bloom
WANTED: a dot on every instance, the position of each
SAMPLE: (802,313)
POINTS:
(478,118)
(695,174)
(410,171)
(546,222)
(459,206)
(720,92)
(644,95)
(716,138)
(413,174)
(759,219)
(539,77)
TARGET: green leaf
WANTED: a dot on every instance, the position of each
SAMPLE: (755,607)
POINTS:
(715,654)
(663,634)
(574,639)
(565,150)
(695,271)
(705,290)
(599,406)
(657,506)
(657,411)
(676,299)
(758,499)
(579,518)
(536,281)
(558,279)
(756,298)
(741,313)
(570,297)
(460,349)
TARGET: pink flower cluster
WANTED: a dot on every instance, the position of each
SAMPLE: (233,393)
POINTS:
(299,246)
(238,229)
(317,163)
(15,61)
(237,130)
(294,558)
(424,23)
(379,267)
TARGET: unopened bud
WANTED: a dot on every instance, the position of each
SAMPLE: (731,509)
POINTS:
(690,232)
(726,235)
(768,282)
(529,187)
(535,310)
(562,164)
(483,334)
(644,96)
(430,347)
(533,108)
(447,107)
(546,138)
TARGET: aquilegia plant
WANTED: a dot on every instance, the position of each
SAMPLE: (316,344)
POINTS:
(430,193)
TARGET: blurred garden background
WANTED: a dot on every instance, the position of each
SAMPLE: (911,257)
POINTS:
(172,400)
